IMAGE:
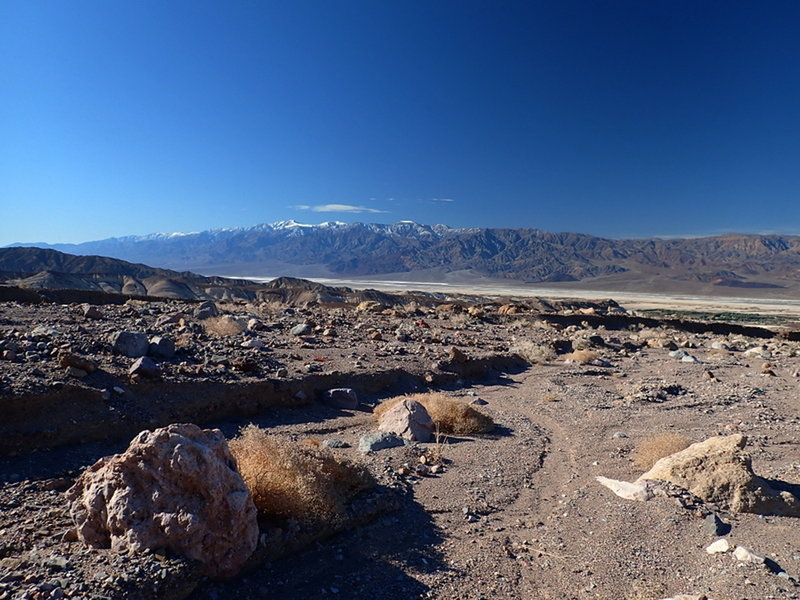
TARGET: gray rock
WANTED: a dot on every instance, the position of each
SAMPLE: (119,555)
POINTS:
(145,367)
(342,398)
(161,347)
(92,312)
(335,443)
(170,319)
(254,325)
(301,329)
(75,372)
(43,331)
(715,526)
(131,344)
(206,310)
(372,442)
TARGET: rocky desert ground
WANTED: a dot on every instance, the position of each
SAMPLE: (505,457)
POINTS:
(576,389)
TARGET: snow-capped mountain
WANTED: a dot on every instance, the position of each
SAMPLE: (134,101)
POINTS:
(337,249)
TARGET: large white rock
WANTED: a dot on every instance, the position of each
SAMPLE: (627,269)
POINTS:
(177,488)
(718,470)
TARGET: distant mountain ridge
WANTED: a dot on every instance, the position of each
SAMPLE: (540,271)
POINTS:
(335,249)
(44,268)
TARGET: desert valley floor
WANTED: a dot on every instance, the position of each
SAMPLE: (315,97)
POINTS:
(576,390)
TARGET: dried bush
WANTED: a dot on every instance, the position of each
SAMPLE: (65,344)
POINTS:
(450,416)
(583,357)
(224,325)
(653,448)
(534,353)
(299,480)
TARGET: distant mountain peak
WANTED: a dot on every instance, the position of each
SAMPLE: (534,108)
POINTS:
(339,250)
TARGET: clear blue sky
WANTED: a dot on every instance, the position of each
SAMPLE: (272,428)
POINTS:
(616,118)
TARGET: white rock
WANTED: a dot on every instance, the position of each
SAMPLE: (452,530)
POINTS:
(742,554)
(721,545)
(638,490)
(253,343)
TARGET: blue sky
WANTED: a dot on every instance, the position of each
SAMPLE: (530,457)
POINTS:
(615,118)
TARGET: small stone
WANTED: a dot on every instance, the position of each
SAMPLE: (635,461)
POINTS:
(206,310)
(456,355)
(335,443)
(254,344)
(44,331)
(75,372)
(345,398)
(301,329)
(161,347)
(146,368)
(131,344)
(744,555)
(721,545)
(254,325)
(716,526)
(57,561)
(372,442)
(68,359)
(619,435)
(92,312)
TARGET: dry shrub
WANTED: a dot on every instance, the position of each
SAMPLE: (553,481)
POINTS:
(533,353)
(299,480)
(583,357)
(449,416)
(651,449)
(223,325)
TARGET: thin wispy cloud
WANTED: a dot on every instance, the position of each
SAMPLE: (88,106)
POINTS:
(444,199)
(343,208)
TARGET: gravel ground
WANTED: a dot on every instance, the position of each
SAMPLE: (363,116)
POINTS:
(515,514)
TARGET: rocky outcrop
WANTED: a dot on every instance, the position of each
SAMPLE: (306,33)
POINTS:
(718,470)
(177,488)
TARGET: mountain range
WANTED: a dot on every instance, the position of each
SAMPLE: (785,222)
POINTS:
(733,264)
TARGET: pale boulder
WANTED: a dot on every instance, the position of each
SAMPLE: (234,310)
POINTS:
(718,470)
(177,488)
(408,419)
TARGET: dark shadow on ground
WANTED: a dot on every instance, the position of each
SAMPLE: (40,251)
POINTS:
(380,560)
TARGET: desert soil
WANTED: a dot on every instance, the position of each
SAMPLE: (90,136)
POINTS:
(515,514)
